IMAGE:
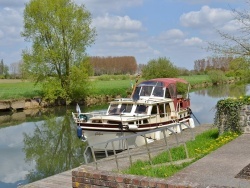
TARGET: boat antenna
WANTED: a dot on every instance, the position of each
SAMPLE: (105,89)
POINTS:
(137,79)
(188,91)
(135,97)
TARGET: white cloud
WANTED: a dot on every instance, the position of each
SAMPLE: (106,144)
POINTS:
(171,34)
(116,23)
(194,41)
(206,17)
(11,25)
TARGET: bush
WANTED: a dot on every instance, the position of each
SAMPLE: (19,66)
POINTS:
(216,76)
(160,68)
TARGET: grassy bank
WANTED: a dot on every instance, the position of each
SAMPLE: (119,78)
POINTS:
(161,167)
(17,89)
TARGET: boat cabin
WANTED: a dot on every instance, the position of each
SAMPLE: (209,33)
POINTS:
(164,88)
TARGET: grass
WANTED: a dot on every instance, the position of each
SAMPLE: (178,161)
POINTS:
(161,167)
(18,89)
(196,79)
(111,87)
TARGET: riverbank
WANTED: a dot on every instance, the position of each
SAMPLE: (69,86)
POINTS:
(104,92)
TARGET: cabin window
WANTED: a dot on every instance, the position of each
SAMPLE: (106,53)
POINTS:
(158,92)
(154,110)
(113,109)
(161,110)
(146,90)
(167,93)
(168,109)
(126,108)
(172,91)
(141,109)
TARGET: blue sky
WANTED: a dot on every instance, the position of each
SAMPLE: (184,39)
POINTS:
(145,29)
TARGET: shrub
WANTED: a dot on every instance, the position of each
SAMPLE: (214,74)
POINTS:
(160,68)
(216,76)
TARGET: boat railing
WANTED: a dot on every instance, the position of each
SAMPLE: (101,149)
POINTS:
(137,117)
(148,149)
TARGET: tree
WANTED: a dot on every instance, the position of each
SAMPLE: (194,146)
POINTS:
(235,45)
(160,68)
(239,67)
(1,67)
(60,32)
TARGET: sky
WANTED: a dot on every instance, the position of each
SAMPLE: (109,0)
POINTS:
(146,29)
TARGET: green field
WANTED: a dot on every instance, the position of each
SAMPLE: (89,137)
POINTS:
(18,89)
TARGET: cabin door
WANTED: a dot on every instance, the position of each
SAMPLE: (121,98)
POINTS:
(161,112)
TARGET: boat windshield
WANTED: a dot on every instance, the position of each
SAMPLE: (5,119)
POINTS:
(113,108)
(146,90)
(158,92)
(126,108)
(116,109)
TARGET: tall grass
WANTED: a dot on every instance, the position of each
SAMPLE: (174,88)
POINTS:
(198,148)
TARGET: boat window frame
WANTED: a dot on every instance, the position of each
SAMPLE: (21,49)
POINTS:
(143,111)
(156,91)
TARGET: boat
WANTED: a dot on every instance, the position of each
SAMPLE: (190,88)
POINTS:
(155,103)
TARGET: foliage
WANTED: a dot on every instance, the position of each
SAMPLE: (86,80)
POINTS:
(60,32)
(114,65)
(236,45)
(212,63)
(4,70)
(181,88)
(160,68)
(227,117)
(162,167)
(106,77)
(216,76)
(80,85)
(239,67)
(52,90)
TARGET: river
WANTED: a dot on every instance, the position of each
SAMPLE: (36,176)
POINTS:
(37,144)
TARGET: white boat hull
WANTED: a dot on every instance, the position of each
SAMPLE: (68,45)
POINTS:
(100,140)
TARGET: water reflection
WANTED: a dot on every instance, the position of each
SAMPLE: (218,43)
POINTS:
(223,91)
(54,147)
(203,101)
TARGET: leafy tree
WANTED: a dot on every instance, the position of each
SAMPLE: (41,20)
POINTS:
(235,45)
(1,67)
(239,67)
(60,32)
(160,68)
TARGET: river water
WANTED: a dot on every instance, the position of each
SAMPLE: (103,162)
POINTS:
(36,144)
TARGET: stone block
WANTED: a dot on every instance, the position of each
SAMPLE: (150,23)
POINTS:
(17,104)
(4,105)
(246,129)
